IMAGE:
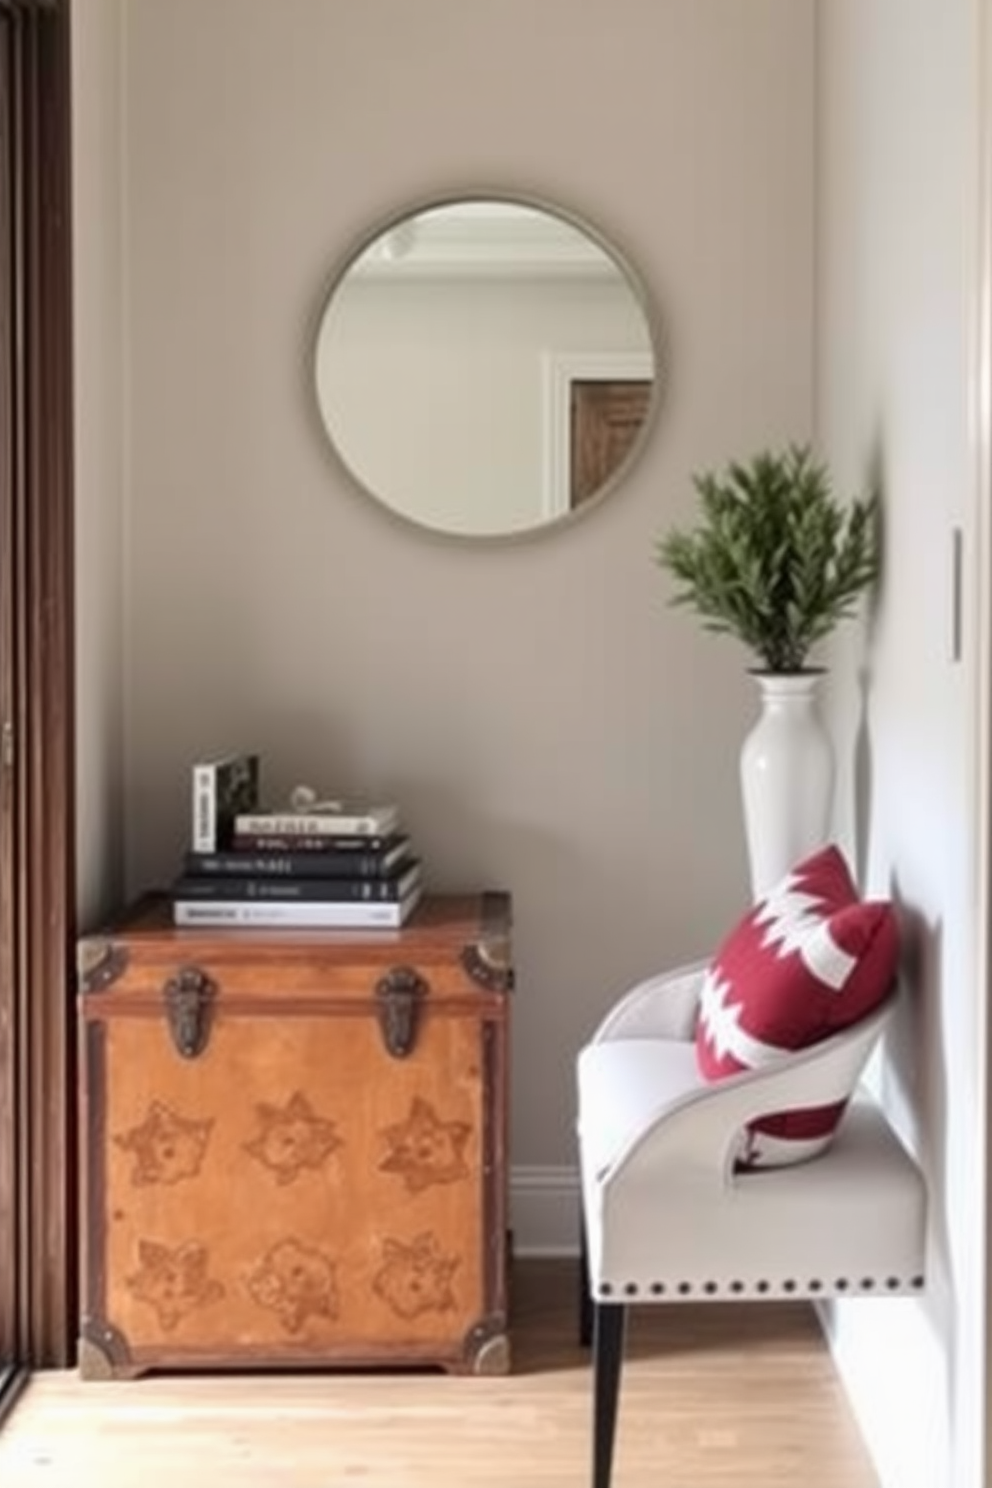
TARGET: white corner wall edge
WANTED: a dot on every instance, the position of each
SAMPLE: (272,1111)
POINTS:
(881,1400)
(544,1211)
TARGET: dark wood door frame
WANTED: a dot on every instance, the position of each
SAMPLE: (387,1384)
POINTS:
(37,846)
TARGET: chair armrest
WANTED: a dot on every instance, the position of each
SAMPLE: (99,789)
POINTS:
(662,1006)
(695,1138)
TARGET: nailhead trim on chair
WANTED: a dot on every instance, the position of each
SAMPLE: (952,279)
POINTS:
(737,1288)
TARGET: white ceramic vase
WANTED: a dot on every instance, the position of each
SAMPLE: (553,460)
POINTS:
(787,778)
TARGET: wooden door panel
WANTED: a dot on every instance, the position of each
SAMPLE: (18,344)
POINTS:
(9,1326)
(37,1220)
(606,418)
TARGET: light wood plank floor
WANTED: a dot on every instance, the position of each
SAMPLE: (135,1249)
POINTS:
(717,1396)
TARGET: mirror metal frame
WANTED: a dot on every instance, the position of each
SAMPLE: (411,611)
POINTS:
(581,224)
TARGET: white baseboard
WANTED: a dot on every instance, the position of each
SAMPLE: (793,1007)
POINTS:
(544,1211)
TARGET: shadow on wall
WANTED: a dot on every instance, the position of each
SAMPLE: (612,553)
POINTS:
(914,1081)
(862,781)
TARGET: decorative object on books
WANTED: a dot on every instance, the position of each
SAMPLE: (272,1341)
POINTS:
(532,332)
(778,562)
(221,788)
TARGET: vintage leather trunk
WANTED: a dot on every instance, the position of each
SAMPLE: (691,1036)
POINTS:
(294,1143)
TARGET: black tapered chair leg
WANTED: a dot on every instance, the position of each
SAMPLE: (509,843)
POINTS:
(585,1299)
(609,1325)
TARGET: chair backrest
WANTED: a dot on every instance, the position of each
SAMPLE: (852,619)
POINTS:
(830,1069)
(701,1124)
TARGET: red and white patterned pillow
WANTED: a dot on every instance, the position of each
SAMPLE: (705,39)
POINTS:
(809,959)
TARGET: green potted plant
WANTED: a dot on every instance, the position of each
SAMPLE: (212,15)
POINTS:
(777,561)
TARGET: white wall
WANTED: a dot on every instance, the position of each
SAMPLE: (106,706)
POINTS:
(98,271)
(546,722)
(898,180)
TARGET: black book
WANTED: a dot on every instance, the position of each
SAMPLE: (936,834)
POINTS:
(311,890)
(334,862)
(271,842)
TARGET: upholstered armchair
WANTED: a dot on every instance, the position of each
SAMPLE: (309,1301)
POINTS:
(677,1207)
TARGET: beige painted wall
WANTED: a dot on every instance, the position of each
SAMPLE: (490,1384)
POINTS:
(546,723)
(898,178)
(100,442)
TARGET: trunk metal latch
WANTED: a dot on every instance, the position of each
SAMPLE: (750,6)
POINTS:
(398,996)
(189,997)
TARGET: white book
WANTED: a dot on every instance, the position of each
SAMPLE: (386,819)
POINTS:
(297,913)
(322,819)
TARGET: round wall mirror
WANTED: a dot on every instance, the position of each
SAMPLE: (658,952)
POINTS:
(485,367)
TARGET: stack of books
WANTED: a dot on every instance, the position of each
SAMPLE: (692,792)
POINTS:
(340,864)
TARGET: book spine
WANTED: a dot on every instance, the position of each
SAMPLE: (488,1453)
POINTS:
(335,863)
(318,890)
(273,914)
(301,824)
(269,842)
(204,808)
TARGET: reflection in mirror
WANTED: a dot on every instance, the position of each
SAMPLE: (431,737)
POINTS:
(485,367)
